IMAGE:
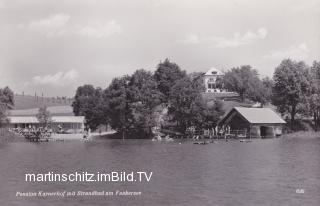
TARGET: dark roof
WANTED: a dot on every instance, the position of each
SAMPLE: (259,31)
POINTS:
(256,115)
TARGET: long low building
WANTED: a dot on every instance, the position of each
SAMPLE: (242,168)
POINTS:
(258,122)
(74,124)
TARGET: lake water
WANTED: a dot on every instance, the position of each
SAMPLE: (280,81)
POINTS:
(263,172)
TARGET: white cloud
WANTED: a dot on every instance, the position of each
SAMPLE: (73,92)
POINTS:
(297,52)
(99,30)
(58,25)
(57,79)
(54,25)
(225,42)
(306,6)
(190,39)
(238,39)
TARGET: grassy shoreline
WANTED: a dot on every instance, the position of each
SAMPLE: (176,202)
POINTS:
(303,134)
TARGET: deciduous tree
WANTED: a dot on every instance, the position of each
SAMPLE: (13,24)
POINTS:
(7,97)
(243,80)
(44,116)
(145,97)
(261,91)
(119,110)
(166,75)
(291,87)
(185,104)
(87,102)
(314,98)
(6,102)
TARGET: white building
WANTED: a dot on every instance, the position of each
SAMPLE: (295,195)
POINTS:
(61,117)
(213,81)
(70,124)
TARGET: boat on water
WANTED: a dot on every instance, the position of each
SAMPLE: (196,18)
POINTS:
(246,140)
(59,140)
(201,142)
(159,138)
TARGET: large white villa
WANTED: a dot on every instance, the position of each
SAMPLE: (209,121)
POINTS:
(213,81)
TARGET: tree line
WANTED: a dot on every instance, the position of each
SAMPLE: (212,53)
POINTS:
(134,104)
(294,89)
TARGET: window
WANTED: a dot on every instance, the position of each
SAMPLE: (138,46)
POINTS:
(212,86)
(212,79)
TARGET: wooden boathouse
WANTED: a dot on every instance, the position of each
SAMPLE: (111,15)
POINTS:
(255,122)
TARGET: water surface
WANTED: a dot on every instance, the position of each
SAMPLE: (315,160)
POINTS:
(264,172)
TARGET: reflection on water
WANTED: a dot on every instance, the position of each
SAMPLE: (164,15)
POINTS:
(264,172)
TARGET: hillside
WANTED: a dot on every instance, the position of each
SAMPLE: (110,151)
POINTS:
(29,102)
(230,96)
(229,100)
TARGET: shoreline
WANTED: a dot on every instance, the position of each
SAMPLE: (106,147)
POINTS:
(302,134)
(7,137)
(79,136)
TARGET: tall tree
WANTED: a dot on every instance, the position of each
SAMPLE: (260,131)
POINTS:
(184,98)
(261,91)
(6,102)
(314,98)
(268,84)
(291,87)
(144,97)
(119,110)
(87,102)
(44,116)
(3,115)
(243,80)
(212,114)
(166,75)
(7,97)
(197,80)
(187,107)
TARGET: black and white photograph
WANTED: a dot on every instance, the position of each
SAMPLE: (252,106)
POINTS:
(160,102)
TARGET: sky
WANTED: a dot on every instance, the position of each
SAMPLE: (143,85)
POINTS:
(54,46)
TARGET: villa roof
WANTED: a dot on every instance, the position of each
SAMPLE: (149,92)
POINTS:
(255,115)
(34,120)
(213,71)
(23,120)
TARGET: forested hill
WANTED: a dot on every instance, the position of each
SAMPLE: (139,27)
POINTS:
(29,102)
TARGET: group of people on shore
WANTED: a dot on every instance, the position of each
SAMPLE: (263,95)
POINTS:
(195,133)
(33,132)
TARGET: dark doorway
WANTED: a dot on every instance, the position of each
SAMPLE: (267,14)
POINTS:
(263,131)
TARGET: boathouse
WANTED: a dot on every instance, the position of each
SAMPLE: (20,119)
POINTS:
(256,122)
